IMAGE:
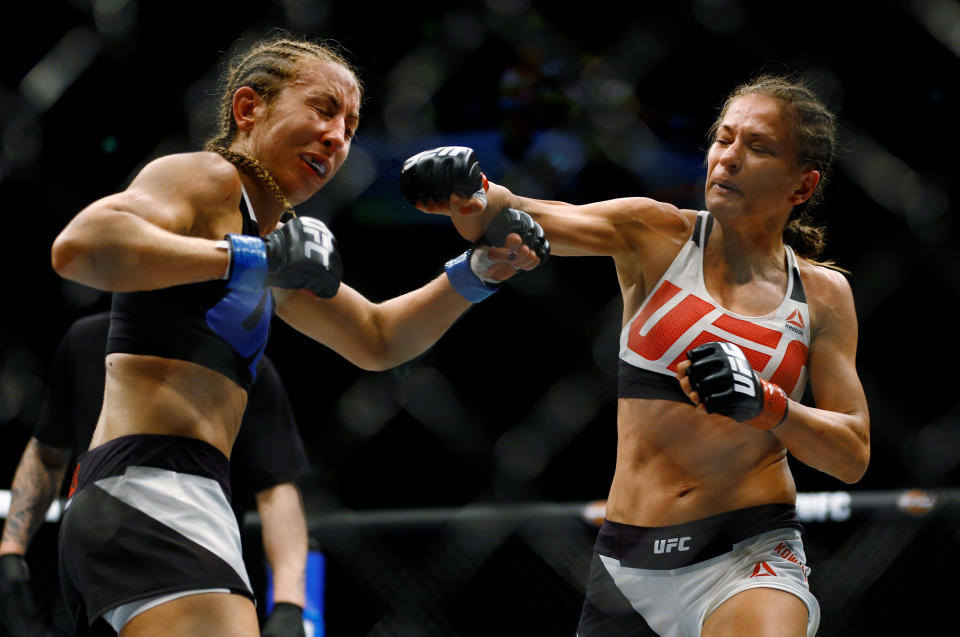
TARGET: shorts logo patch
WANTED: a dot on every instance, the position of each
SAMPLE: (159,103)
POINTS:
(762,569)
(667,545)
(73,482)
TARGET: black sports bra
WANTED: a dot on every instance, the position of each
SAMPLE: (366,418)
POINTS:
(204,323)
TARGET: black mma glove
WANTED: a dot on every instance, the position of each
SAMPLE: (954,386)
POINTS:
(467,272)
(438,173)
(509,221)
(727,385)
(301,254)
(286,620)
(18,608)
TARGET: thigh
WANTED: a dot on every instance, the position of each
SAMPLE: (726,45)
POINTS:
(208,614)
(759,612)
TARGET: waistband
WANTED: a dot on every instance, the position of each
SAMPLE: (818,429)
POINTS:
(679,545)
(176,453)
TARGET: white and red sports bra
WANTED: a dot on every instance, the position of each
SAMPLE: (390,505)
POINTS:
(679,315)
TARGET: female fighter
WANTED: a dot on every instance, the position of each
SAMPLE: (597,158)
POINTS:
(199,263)
(727,313)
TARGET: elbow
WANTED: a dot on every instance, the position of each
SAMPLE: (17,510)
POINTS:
(377,353)
(857,468)
(376,359)
(63,254)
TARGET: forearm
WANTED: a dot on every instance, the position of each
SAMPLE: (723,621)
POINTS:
(108,248)
(35,484)
(375,336)
(408,325)
(837,444)
(595,229)
(284,531)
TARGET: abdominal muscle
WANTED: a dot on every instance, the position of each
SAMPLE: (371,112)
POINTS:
(153,395)
(675,465)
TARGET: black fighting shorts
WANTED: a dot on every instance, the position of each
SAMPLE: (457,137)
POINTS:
(147,515)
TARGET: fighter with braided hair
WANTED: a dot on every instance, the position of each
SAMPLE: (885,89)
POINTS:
(199,262)
(727,313)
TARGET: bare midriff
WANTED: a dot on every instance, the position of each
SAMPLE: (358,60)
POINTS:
(152,395)
(675,465)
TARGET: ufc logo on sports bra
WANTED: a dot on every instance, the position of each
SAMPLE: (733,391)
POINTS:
(322,242)
(677,324)
(667,545)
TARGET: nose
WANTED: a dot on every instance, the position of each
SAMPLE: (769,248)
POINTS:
(334,136)
(730,157)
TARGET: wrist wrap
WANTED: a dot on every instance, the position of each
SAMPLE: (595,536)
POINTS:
(774,409)
(248,262)
(464,281)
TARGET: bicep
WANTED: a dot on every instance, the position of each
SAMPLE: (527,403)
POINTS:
(606,228)
(171,193)
(834,380)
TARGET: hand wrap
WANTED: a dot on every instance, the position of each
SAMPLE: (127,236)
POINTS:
(301,254)
(466,281)
(286,620)
(727,385)
(438,173)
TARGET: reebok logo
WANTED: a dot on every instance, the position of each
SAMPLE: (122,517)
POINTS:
(795,321)
(762,569)
(668,544)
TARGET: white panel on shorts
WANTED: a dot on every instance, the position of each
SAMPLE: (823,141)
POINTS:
(675,603)
(191,505)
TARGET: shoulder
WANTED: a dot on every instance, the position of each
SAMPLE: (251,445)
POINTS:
(647,222)
(828,293)
(649,212)
(201,173)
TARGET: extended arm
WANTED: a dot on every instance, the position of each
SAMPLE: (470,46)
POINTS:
(375,336)
(447,181)
(379,336)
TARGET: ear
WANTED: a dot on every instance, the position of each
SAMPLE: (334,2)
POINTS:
(247,107)
(808,184)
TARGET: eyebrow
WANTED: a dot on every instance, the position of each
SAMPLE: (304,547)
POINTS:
(325,94)
(751,133)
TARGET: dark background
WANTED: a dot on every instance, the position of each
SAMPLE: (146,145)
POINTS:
(517,402)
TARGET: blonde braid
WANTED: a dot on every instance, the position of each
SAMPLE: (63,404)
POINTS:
(244,161)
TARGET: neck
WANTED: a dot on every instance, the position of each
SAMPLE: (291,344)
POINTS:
(266,208)
(749,250)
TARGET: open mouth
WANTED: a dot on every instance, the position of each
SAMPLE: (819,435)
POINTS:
(319,168)
(725,187)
